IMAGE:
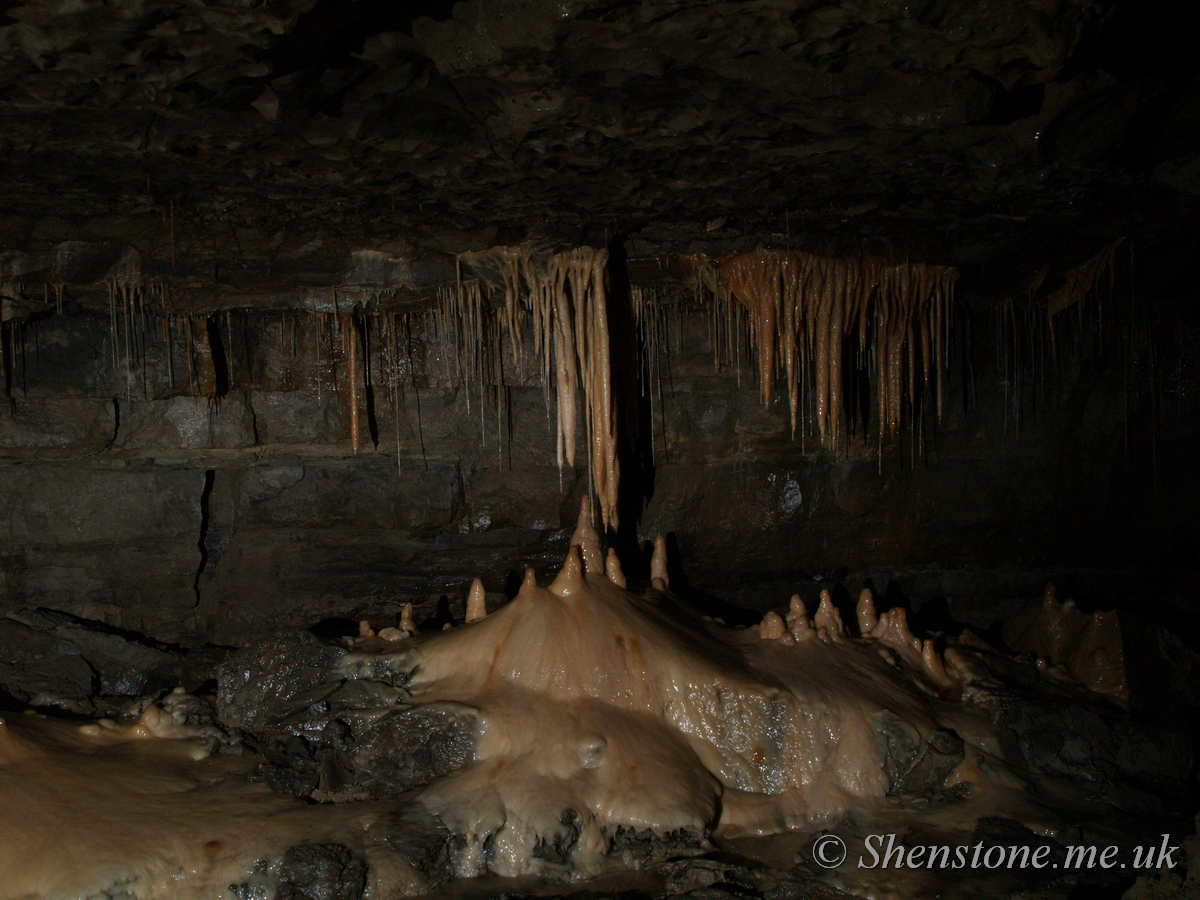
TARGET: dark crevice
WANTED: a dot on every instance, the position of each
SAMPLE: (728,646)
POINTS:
(362,333)
(219,359)
(210,476)
(133,637)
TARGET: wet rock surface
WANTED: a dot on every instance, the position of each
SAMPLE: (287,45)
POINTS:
(914,766)
(321,872)
(326,737)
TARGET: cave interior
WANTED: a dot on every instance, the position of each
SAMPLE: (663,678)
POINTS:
(283,313)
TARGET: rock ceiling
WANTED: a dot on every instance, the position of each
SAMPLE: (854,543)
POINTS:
(275,139)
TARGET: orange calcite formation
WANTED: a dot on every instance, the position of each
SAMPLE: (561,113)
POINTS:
(805,310)
(632,712)
(567,299)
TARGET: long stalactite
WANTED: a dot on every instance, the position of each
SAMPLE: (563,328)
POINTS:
(806,310)
(566,296)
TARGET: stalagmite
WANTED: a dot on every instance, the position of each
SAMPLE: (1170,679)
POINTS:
(934,667)
(578,729)
(658,564)
(406,620)
(612,567)
(827,619)
(587,540)
(771,627)
(865,612)
(798,622)
(893,629)
(476,605)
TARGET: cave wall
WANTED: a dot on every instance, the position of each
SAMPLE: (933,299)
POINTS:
(192,478)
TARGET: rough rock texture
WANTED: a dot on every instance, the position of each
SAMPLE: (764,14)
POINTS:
(321,872)
(301,132)
(48,658)
(330,738)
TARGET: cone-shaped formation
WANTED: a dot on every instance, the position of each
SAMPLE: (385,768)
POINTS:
(406,620)
(569,580)
(805,309)
(934,666)
(637,713)
(612,567)
(828,621)
(771,627)
(865,612)
(658,563)
(476,605)
(798,623)
(587,540)
(893,629)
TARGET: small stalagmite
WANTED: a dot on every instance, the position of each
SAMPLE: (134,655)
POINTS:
(865,612)
(828,621)
(797,620)
(587,540)
(406,620)
(771,627)
(893,629)
(476,605)
(612,567)
(935,668)
(658,564)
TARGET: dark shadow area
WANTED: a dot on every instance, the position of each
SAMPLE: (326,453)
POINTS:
(335,628)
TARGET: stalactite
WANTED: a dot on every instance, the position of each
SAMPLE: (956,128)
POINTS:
(565,295)
(803,309)
(1033,326)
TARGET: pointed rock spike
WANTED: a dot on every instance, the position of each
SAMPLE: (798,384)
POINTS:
(588,541)
(612,566)
(406,620)
(658,562)
(771,627)
(570,576)
(865,612)
(476,605)
(529,582)
(828,617)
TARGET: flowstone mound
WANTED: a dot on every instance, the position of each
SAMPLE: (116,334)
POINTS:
(582,731)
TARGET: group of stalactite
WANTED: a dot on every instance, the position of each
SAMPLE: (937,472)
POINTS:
(802,313)
(566,297)
(1031,326)
(805,311)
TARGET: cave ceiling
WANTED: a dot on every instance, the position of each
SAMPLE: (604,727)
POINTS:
(263,144)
